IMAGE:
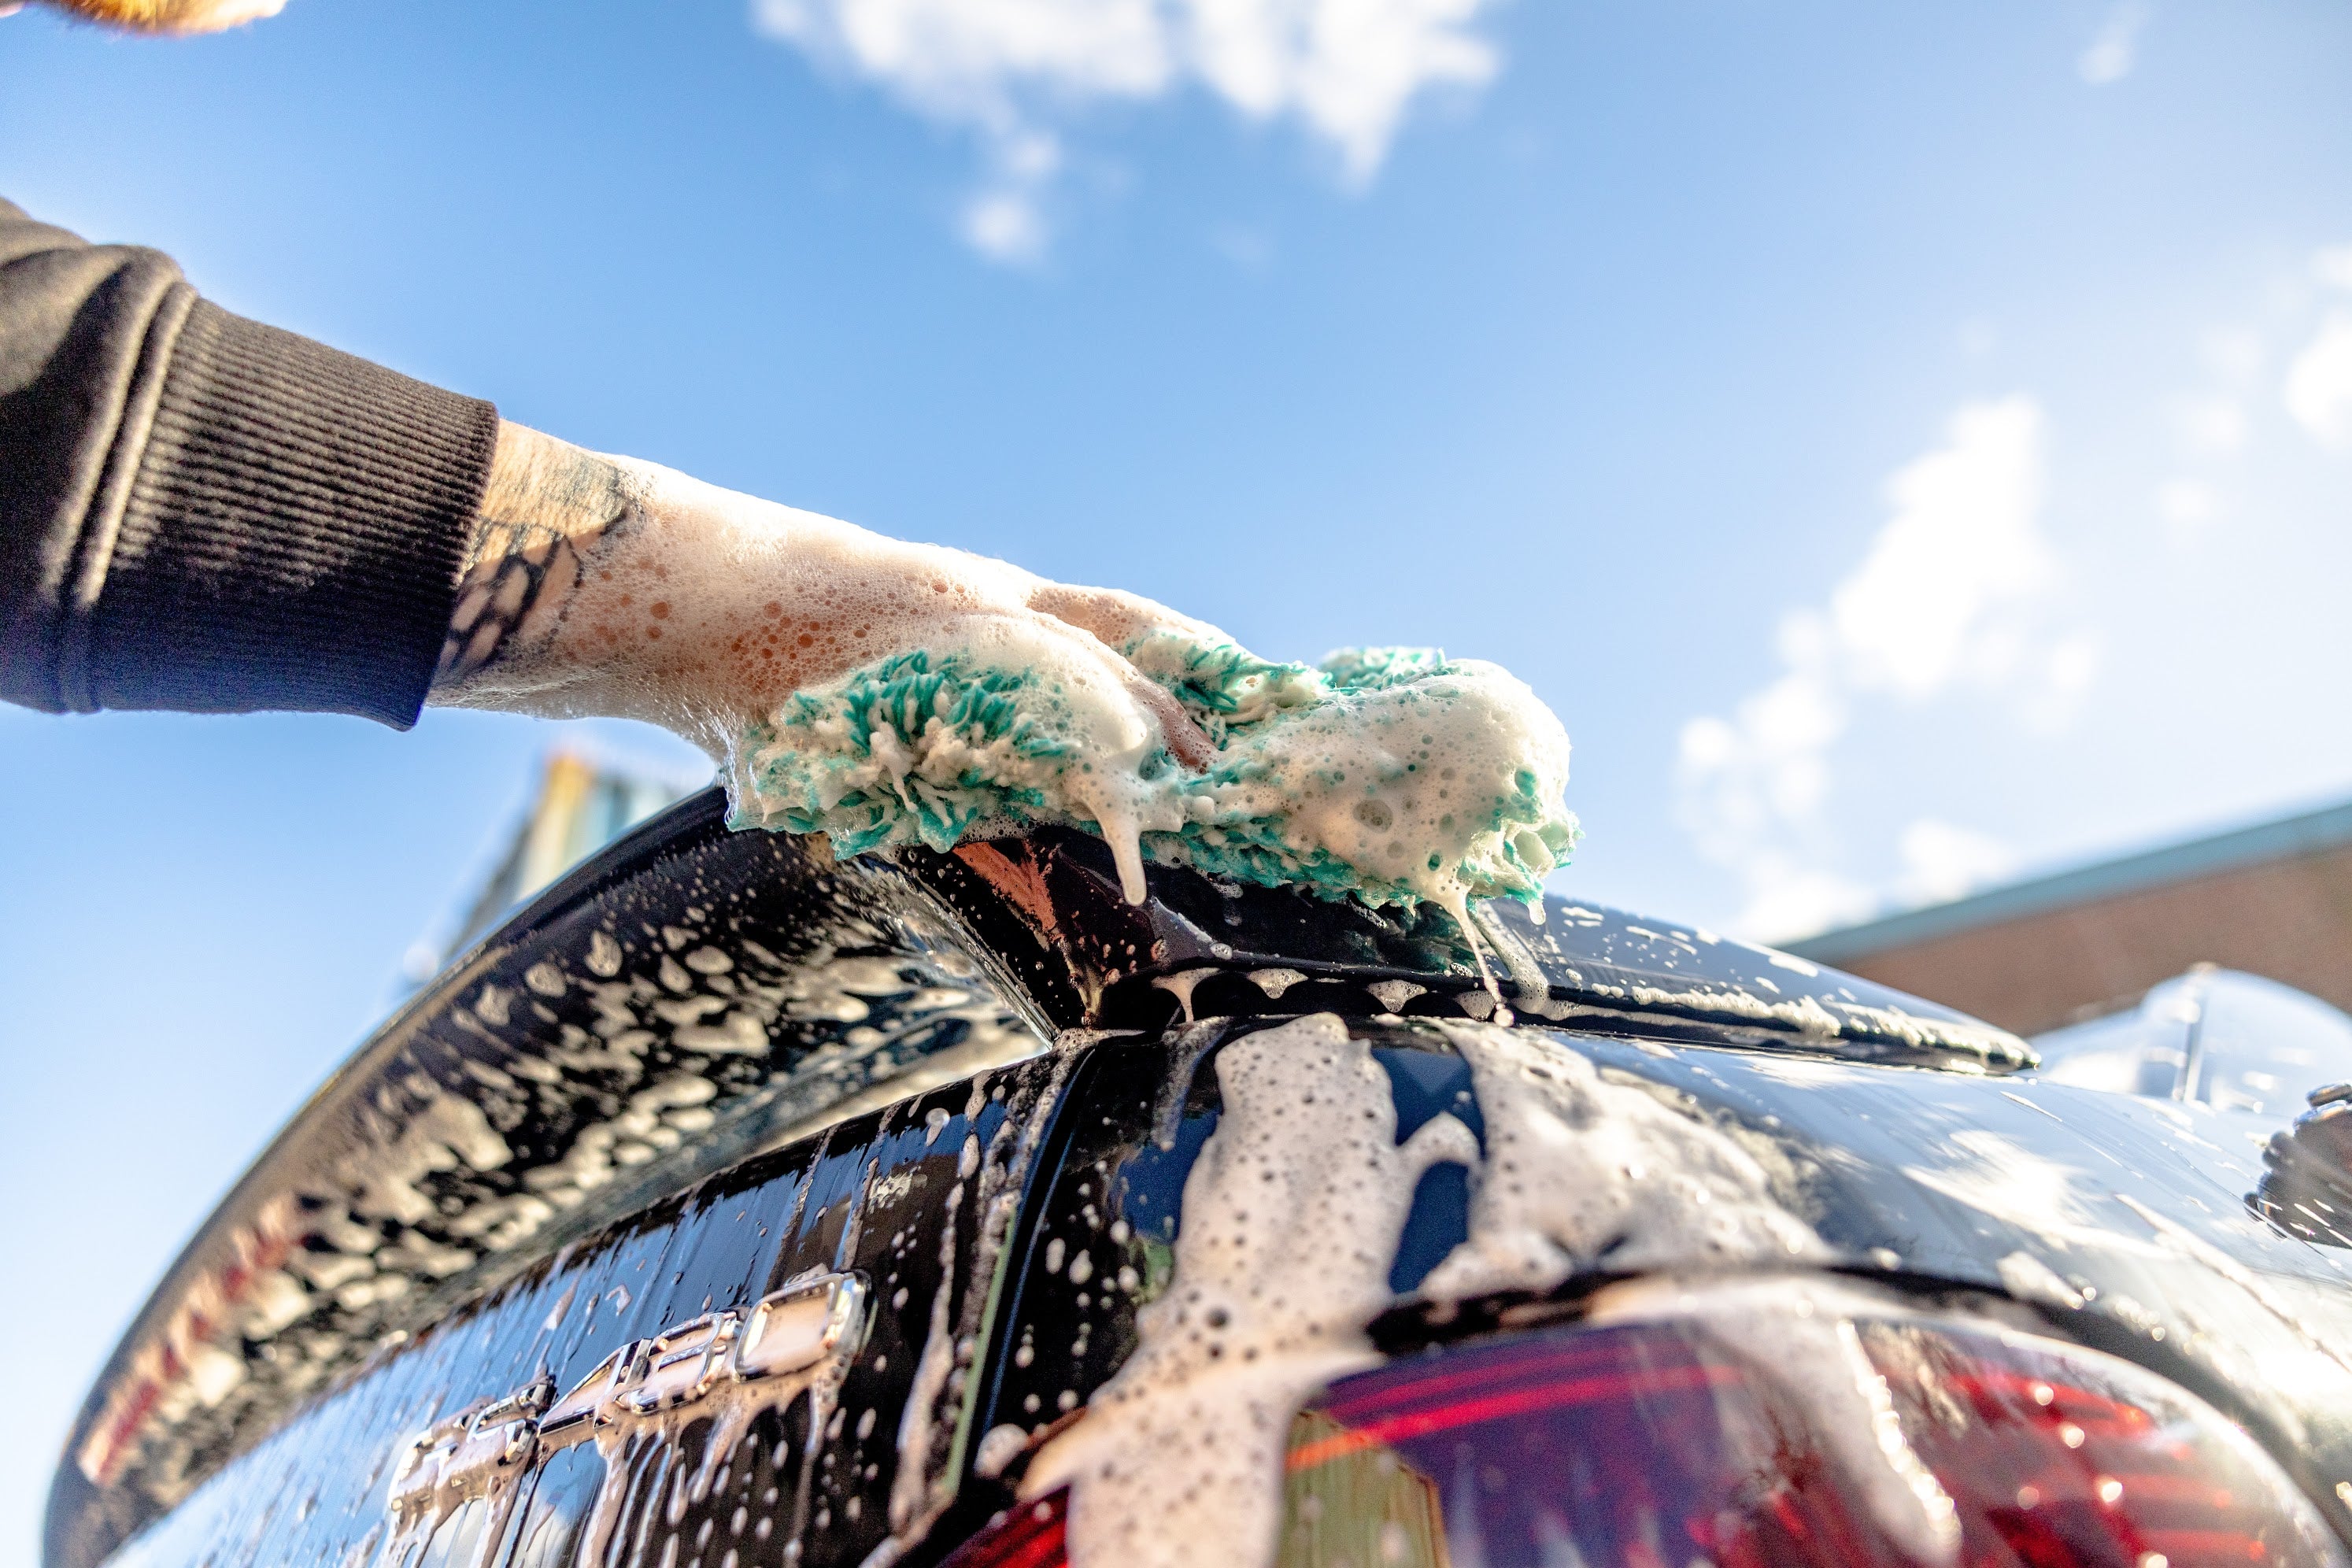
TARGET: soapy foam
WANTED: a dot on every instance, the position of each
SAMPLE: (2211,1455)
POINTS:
(885,693)
(1397,778)
(1799,1336)
(1292,1215)
(1583,1171)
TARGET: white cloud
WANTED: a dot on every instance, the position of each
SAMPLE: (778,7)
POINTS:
(1010,70)
(1964,539)
(2217,421)
(2319,389)
(1937,603)
(1006,226)
(2333,266)
(1790,899)
(2187,507)
(2115,49)
(1941,862)
(2054,684)
(2211,426)
(2233,354)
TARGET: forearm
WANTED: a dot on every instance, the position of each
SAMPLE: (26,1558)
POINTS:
(204,513)
(606,586)
(546,512)
(610,587)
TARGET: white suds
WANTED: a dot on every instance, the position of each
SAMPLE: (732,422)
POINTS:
(1292,1215)
(1181,985)
(1799,1334)
(1275,981)
(1581,1169)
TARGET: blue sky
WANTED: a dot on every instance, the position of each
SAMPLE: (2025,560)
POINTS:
(1905,443)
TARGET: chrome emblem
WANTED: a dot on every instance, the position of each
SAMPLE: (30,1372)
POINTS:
(467,1455)
(473,1453)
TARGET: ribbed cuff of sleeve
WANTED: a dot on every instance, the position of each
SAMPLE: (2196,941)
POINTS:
(292,537)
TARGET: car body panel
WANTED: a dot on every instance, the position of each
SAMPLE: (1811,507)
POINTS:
(863,1198)
(1884,1125)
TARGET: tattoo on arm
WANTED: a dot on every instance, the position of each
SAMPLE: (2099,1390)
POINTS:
(546,509)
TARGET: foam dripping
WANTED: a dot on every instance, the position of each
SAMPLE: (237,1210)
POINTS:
(1395,776)
(1292,1215)
(884,693)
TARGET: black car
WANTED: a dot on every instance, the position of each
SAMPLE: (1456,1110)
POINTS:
(734,1206)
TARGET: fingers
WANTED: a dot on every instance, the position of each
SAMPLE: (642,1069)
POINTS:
(1187,742)
(1116,619)
(171,15)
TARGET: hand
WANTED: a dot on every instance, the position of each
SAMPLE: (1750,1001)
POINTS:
(607,586)
(168,15)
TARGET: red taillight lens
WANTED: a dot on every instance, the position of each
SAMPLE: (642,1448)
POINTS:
(1029,1536)
(1654,1444)
(1657,1445)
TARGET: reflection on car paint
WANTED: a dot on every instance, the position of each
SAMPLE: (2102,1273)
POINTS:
(621,1051)
(2306,1185)
(1021,1225)
(859,1200)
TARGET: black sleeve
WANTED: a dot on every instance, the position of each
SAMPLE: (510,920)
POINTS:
(201,512)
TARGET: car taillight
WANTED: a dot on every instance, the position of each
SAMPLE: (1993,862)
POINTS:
(1031,1535)
(1661,1445)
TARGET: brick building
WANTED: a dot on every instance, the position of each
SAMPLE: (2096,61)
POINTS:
(2273,900)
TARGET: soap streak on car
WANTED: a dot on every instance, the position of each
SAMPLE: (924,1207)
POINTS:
(1027,1073)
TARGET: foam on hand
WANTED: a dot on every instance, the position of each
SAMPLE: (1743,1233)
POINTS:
(884,694)
(1393,775)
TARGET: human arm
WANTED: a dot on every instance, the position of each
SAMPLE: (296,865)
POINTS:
(601,584)
(201,512)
